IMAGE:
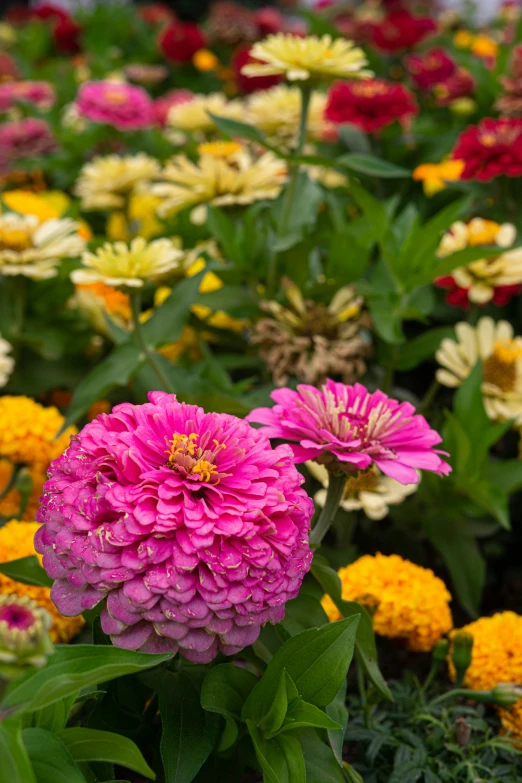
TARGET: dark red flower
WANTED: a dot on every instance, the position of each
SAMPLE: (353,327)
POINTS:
(180,41)
(156,14)
(458,297)
(429,68)
(246,84)
(490,149)
(18,14)
(370,104)
(47,11)
(66,35)
(460,85)
(401,30)
(269,20)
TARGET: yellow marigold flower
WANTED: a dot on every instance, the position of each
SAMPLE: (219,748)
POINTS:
(219,149)
(310,57)
(410,602)
(205,60)
(16,540)
(28,431)
(131,265)
(97,300)
(484,46)
(276,113)
(240,179)
(194,115)
(511,721)
(501,354)
(107,182)
(10,502)
(435,175)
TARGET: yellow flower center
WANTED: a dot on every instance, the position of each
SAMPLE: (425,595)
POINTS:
(369,90)
(16,239)
(363,481)
(500,368)
(187,457)
(219,149)
(115,96)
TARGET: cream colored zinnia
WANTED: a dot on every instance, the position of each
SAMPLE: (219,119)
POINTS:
(369,491)
(6,361)
(194,116)
(120,264)
(304,58)
(106,182)
(483,276)
(238,179)
(276,113)
(34,248)
(501,354)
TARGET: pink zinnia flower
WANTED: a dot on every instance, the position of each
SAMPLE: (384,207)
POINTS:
(189,524)
(24,138)
(40,94)
(125,106)
(348,428)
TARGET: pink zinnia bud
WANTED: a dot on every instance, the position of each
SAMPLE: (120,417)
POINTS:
(189,525)
(124,106)
(347,428)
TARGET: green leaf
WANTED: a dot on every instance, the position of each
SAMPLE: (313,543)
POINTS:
(320,762)
(225,690)
(169,319)
(423,347)
(304,209)
(189,733)
(316,660)
(365,639)
(493,499)
(115,370)
(374,167)
(26,570)
(15,766)
(53,717)
(301,715)
(347,259)
(455,260)
(302,613)
(241,130)
(506,474)
(72,667)
(354,138)
(92,745)
(338,712)
(373,210)
(52,762)
(281,758)
(273,720)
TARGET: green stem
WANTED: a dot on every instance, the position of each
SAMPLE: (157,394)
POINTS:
(288,200)
(149,353)
(429,397)
(334,495)
(464,693)
(435,666)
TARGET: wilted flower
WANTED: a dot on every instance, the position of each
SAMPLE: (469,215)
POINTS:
(193,543)
(239,179)
(347,428)
(410,603)
(510,103)
(369,105)
(486,280)
(39,94)
(311,340)
(29,137)
(401,30)
(368,490)
(490,149)
(193,115)
(34,249)
(6,361)
(24,635)
(119,264)
(17,540)
(430,68)
(304,58)
(501,354)
(124,106)
(107,182)
(179,41)
(434,176)
(277,111)
(231,23)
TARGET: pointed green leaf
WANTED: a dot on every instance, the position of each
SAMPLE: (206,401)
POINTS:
(27,571)
(92,745)
(15,766)
(51,761)
(281,758)
(301,715)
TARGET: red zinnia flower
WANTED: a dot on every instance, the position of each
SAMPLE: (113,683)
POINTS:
(370,104)
(460,85)
(490,149)
(459,297)
(269,20)
(430,68)
(247,84)
(66,35)
(401,30)
(180,41)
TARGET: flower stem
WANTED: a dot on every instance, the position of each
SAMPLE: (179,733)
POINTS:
(149,353)
(429,397)
(334,495)
(464,693)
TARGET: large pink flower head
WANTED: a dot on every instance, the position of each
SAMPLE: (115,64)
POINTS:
(189,524)
(125,106)
(347,428)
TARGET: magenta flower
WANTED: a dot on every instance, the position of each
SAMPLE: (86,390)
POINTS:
(23,138)
(39,94)
(189,524)
(124,106)
(348,428)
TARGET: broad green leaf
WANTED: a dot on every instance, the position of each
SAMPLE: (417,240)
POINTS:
(461,258)
(115,370)
(273,720)
(169,319)
(52,762)
(347,259)
(374,167)
(225,690)
(303,212)
(281,758)
(338,712)
(320,762)
(301,715)
(316,660)
(26,570)
(189,733)
(415,351)
(302,613)
(53,717)
(15,766)
(373,210)
(92,745)
(72,667)
(506,474)
(493,499)
(365,638)
(354,138)
(223,228)
(241,130)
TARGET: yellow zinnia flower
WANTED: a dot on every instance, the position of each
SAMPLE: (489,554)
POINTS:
(310,57)
(107,182)
(45,206)
(16,540)
(193,115)
(435,175)
(276,113)
(410,602)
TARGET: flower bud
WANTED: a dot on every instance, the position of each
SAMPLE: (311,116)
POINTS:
(461,653)
(506,694)
(24,635)
(440,651)
(463,106)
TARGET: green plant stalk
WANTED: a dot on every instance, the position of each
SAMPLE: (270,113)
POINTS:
(334,495)
(486,697)
(293,167)
(149,353)
(435,666)
(429,397)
